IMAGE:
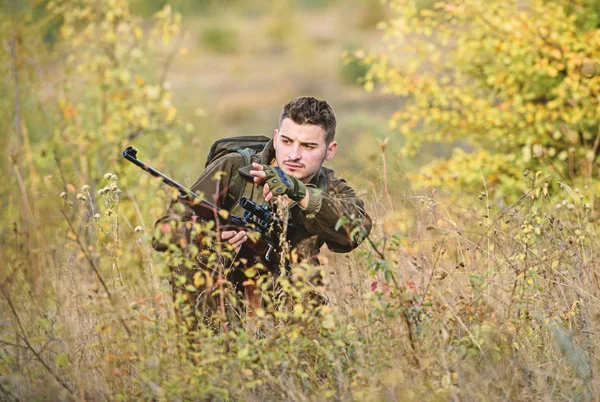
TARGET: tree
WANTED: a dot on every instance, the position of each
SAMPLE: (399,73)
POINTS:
(108,97)
(515,84)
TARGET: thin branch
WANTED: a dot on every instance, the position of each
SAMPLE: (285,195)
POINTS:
(168,61)
(95,269)
(374,247)
(8,393)
(382,145)
(17,95)
(30,347)
(435,263)
(511,206)
(12,344)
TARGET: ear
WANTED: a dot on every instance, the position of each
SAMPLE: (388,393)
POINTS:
(275,134)
(331,148)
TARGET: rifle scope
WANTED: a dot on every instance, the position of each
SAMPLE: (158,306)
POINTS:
(260,212)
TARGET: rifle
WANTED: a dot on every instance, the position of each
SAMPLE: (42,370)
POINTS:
(255,218)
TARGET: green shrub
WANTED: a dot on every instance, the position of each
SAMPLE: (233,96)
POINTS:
(517,85)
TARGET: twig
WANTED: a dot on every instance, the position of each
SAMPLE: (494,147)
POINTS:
(221,276)
(17,95)
(8,393)
(374,247)
(437,259)
(16,345)
(411,338)
(95,269)
(382,144)
(511,206)
(594,150)
(29,346)
(29,214)
(168,61)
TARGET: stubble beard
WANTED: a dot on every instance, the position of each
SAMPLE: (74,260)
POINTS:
(304,178)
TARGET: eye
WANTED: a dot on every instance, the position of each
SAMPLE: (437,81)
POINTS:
(285,140)
(309,146)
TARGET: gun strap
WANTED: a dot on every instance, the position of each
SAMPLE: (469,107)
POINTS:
(240,187)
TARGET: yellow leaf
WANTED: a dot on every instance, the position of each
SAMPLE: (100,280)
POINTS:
(171,112)
(199,279)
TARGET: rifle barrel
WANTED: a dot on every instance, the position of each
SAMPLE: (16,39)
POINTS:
(130,153)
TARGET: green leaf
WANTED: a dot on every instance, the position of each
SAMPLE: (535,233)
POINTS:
(388,275)
(250,272)
(62,360)
(44,323)
(243,353)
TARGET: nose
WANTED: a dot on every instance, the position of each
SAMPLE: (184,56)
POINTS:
(295,152)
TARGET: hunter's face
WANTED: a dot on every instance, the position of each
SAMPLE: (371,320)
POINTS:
(300,149)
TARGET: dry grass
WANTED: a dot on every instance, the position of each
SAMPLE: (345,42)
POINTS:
(451,298)
(444,303)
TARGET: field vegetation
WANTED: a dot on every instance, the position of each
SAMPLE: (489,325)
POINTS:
(471,129)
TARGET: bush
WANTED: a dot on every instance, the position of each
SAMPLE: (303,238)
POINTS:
(515,84)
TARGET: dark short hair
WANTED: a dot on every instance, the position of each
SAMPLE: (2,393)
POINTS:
(309,110)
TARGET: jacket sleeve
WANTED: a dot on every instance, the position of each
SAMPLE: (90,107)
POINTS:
(212,185)
(339,207)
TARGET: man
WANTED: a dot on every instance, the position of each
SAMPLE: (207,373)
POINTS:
(315,198)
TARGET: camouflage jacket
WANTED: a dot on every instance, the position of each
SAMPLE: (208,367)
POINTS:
(330,199)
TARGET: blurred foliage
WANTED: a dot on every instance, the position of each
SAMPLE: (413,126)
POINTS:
(352,70)
(281,25)
(220,39)
(372,12)
(315,3)
(104,100)
(208,7)
(517,85)
(147,8)
(424,4)
(75,105)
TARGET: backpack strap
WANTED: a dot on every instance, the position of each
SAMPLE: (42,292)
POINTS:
(239,184)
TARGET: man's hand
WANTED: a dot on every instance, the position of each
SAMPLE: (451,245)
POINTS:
(277,182)
(235,238)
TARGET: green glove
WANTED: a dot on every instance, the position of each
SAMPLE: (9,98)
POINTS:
(281,183)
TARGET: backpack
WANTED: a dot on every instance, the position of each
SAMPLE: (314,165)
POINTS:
(245,146)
